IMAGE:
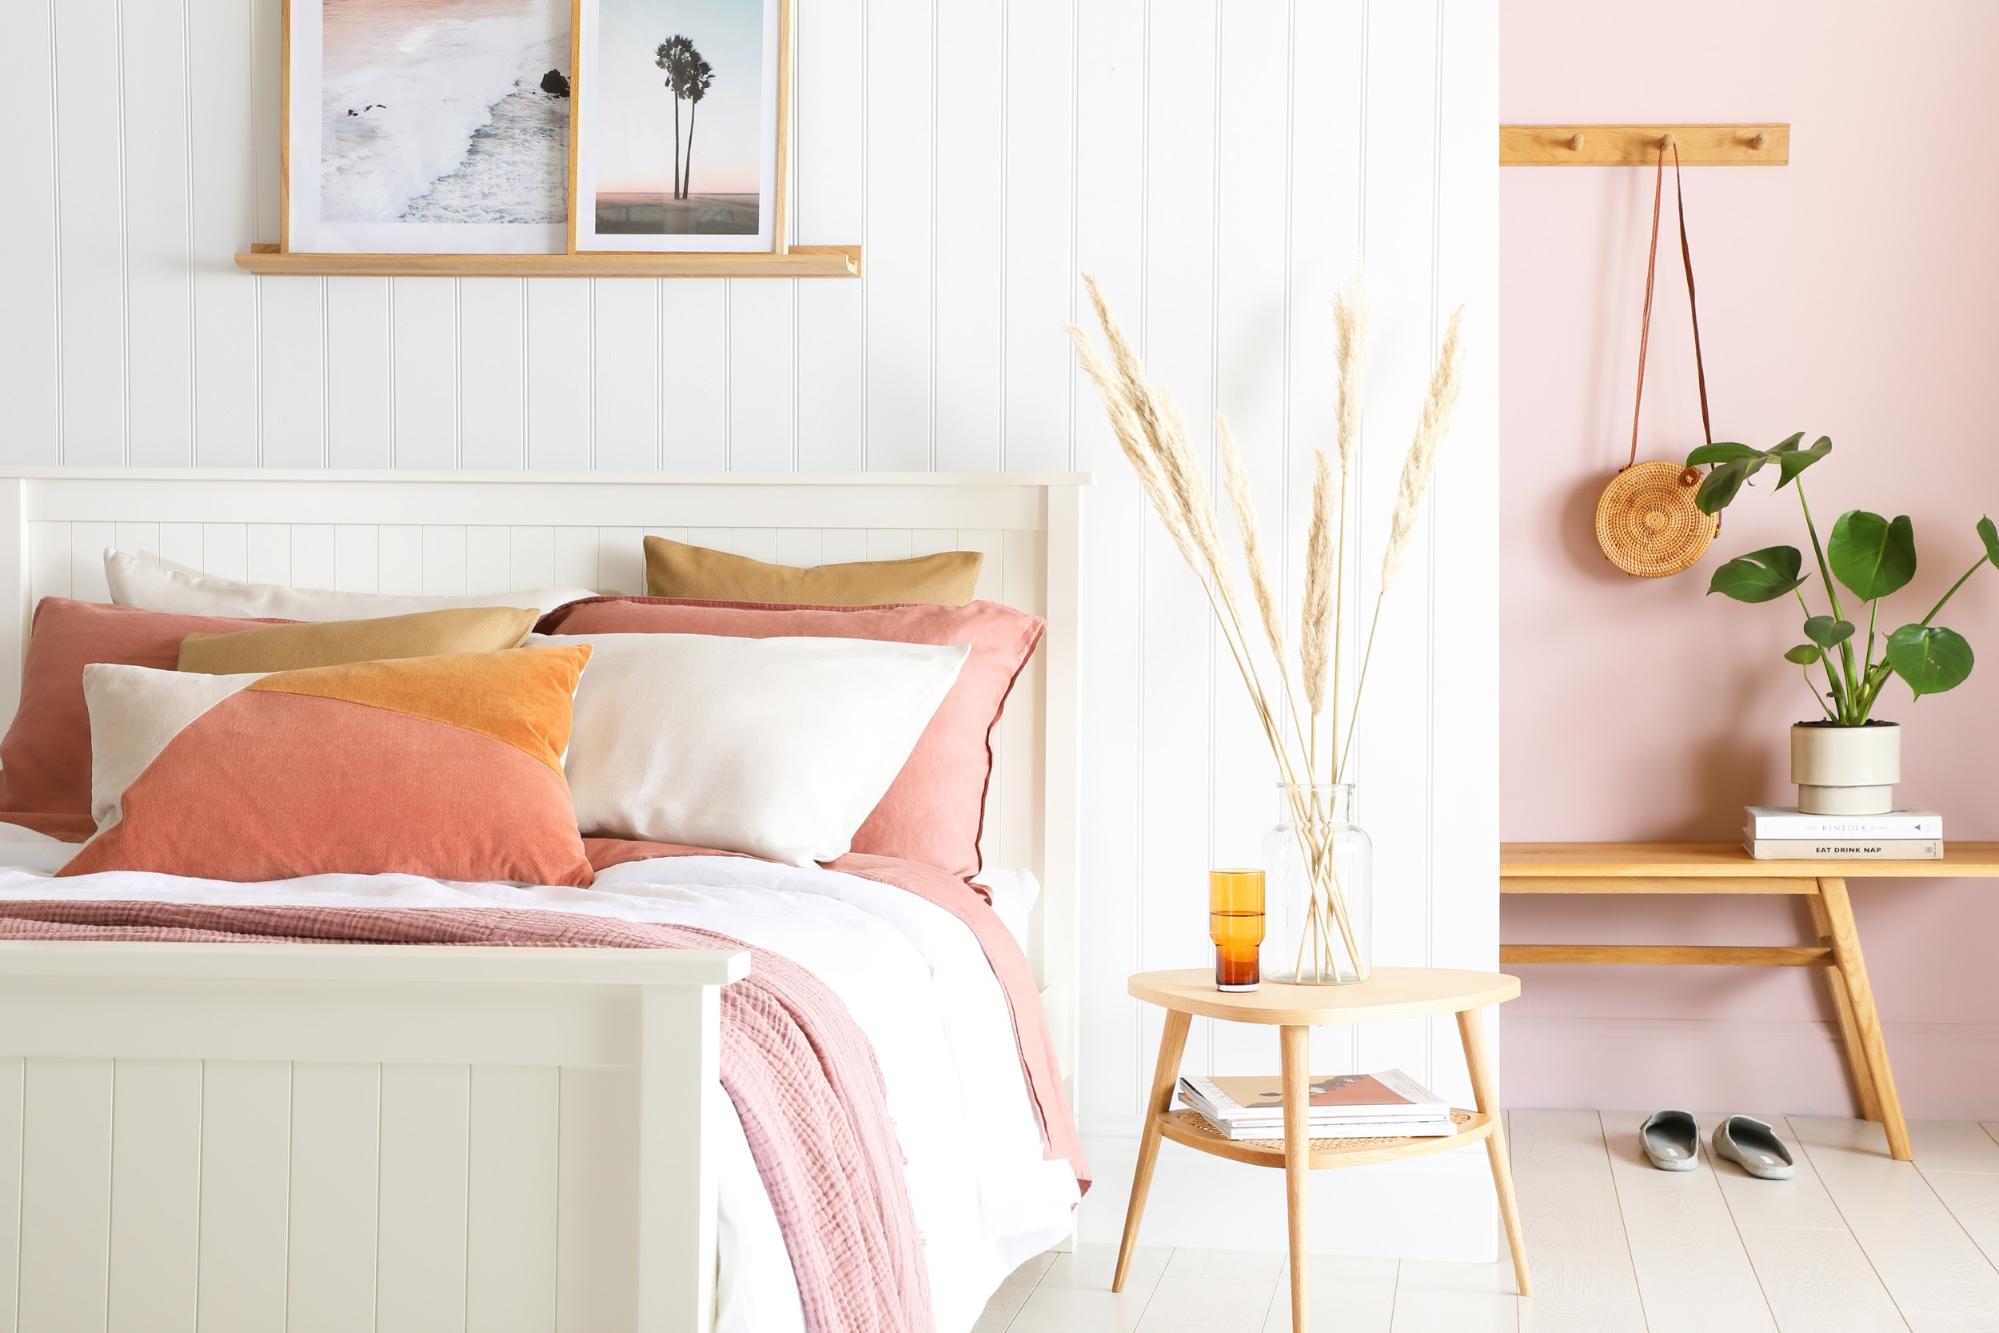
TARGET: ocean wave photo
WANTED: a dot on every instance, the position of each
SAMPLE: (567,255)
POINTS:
(444,111)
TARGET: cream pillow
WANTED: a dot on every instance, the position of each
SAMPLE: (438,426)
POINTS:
(775,747)
(140,581)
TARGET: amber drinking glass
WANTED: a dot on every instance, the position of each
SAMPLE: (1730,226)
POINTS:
(1235,923)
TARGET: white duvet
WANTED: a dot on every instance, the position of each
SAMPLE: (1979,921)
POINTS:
(910,973)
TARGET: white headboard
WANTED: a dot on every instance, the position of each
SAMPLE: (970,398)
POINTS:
(457,532)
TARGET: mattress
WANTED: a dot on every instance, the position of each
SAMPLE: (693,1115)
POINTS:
(911,974)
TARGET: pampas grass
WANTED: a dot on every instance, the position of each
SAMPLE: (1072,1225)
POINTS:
(1154,438)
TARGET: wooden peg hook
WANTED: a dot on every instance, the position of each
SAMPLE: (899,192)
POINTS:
(1667,142)
(1575,143)
(1759,141)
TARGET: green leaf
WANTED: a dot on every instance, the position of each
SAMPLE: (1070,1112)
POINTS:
(1793,461)
(1871,555)
(1827,632)
(1760,576)
(1804,654)
(1990,536)
(1788,443)
(1719,486)
(1931,658)
(1720,453)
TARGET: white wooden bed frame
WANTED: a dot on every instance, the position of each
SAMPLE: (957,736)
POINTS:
(344,1137)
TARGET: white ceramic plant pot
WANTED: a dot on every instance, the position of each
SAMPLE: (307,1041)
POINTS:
(1846,770)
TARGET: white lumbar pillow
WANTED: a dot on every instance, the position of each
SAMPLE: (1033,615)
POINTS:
(776,747)
(143,582)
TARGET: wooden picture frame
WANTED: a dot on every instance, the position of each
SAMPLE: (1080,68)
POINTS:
(463,127)
(677,221)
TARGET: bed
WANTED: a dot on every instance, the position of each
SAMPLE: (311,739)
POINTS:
(262,1135)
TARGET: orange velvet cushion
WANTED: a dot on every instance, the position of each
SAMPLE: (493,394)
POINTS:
(934,810)
(449,767)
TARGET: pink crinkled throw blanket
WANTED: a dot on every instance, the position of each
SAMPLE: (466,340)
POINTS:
(799,1070)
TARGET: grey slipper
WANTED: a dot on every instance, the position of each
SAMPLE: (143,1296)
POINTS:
(1753,1146)
(1671,1140)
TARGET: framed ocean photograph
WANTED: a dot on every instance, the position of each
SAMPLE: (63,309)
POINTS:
(426,126)
(679,140)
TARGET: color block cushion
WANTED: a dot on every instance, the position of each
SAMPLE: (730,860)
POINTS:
(934,810)
(448,767)
(141,581)
(774,747)
(292,647)
(45,756)
(675,569)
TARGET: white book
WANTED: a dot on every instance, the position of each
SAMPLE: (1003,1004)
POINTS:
(1767,821)
(1812,849)
(1428,1127)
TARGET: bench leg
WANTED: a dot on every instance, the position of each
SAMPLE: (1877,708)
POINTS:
(1165,1075)
(1849,1031)
(1845,936)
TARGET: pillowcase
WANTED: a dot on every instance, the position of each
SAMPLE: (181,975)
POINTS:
(332,642)
(934,810)
(140,581)
(776,747)
(675,569)
(449,767)
(45,756)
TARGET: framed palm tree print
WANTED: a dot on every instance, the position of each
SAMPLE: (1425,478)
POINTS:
(678,143)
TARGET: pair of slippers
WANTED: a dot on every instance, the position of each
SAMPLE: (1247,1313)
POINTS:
(1672,1141)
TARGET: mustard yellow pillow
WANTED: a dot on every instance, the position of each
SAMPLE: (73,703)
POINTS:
(476,629)
(694,573)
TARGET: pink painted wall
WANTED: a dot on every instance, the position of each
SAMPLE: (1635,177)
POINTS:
(1853,293)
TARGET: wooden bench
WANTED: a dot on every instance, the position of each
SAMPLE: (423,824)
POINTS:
(1681,867)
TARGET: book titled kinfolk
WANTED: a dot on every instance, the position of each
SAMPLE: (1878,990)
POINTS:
(1895,826)
(1859,849)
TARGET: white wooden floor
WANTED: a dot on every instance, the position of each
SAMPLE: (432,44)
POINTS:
(1856,1241)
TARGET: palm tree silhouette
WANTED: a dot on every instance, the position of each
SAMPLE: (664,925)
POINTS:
(676,56)
(699,75)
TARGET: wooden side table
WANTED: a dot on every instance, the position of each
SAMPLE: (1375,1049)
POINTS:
(1392,992)
(1692,867)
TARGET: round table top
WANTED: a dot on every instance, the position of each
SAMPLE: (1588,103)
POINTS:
(1392,992)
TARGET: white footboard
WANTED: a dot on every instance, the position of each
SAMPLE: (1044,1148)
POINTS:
(306,1137)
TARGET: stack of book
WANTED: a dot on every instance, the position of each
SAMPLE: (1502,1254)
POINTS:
(1344,1106)
(1785,834)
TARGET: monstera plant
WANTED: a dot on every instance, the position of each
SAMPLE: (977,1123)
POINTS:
(1872,558)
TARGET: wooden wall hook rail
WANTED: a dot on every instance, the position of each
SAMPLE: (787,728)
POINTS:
(1758,145)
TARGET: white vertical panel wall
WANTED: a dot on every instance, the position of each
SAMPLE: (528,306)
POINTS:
(1220,166)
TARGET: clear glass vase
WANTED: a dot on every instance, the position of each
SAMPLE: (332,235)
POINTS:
(1320,866)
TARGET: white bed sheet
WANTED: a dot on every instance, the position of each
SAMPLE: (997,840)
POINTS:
(910,973)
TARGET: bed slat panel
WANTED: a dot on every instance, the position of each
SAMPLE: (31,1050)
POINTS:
(356,557)
(270,553)
(802,547)
(489,559)
(424,1144)
(155,1195)
(511,1199)
(66,1190)
(48,560)
(335,1164)
(532,558)
(245,1170)
(11,1091)
(399,564)
(312,555)
(621,560)
(86,560)
(443,561)
(225,549)
(576,558)
(597,1201)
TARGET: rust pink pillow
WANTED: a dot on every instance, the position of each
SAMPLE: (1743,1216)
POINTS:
(45,756)
(935,808)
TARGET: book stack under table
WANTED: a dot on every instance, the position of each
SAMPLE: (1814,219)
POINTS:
(1775,833)
(1344,1106)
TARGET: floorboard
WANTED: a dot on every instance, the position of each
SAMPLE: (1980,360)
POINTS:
(1855,1242)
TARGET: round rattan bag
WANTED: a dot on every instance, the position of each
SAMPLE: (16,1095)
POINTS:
(1647,522)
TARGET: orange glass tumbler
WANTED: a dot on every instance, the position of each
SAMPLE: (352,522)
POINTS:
(1235,923)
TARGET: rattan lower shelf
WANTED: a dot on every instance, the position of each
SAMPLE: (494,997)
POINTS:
(1189,1128)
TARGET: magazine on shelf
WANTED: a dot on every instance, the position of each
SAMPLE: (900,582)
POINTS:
(1388,1096)
(1422,1127)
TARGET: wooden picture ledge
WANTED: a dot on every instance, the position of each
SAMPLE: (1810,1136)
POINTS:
(800,261)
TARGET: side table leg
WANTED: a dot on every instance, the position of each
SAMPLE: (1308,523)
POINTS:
(1485,1095)
(1846,952)
(1295,1046)
(1849,1031)
(1165,1074)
